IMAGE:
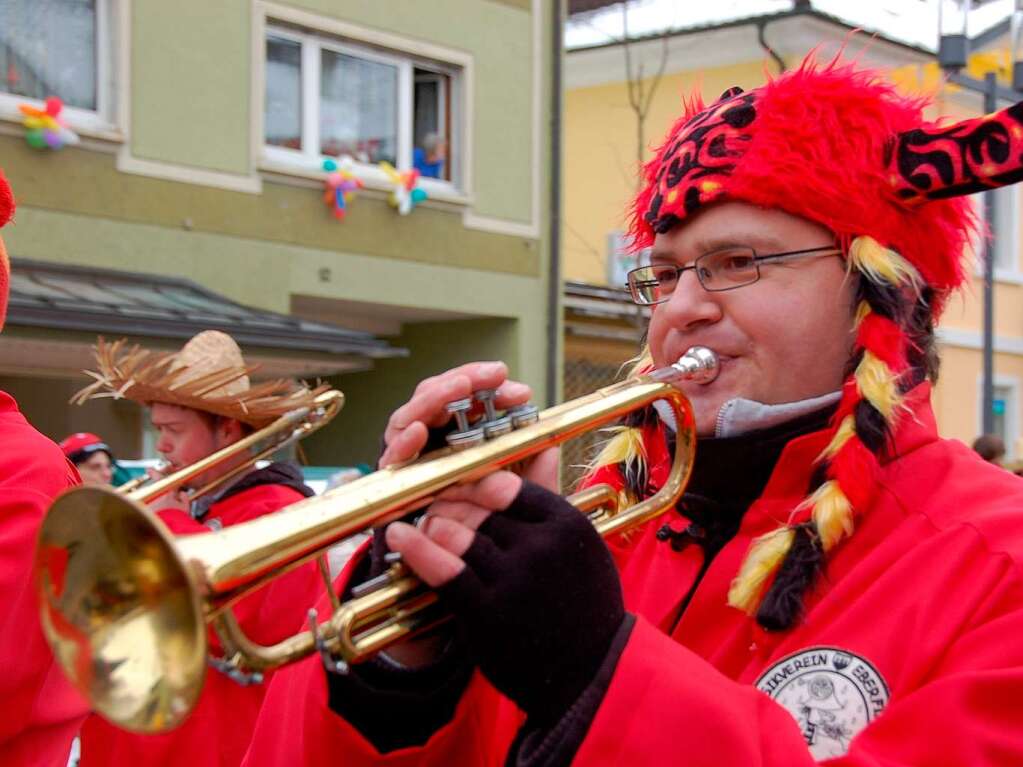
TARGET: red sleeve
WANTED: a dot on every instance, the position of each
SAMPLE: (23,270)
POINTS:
(41,712)
(296,725)
(276,610)
(180,522)
(666,703)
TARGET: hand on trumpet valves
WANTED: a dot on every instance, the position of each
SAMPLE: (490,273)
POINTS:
(176,499)
(159,471)
(532,587)
(407,430)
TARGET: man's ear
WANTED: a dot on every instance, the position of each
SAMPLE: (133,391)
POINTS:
(229,430)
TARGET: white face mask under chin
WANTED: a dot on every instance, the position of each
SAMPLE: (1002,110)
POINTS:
(740,416)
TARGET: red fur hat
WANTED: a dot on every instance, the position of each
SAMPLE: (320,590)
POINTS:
(6,212)
(838,145)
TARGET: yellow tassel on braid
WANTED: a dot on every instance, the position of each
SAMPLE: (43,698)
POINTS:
(762,561)
(625,446)
(832,513)
(882,264)
(846,431)
(878,385)
(861,314)
(627,442)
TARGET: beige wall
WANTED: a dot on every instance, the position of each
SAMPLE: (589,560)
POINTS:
(601,158)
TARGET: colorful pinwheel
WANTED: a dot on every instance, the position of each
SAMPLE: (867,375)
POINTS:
(44,128)
(340,185)
(406,192)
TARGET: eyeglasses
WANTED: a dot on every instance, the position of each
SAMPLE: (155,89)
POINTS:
(719,270)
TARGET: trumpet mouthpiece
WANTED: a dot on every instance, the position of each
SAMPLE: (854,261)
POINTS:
(699,364)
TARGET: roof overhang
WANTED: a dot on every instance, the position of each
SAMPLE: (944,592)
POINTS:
(159,311)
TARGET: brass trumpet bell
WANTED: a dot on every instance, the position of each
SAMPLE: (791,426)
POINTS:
(123,612)
(121,609)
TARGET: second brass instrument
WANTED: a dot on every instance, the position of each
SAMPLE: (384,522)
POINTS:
(125,605)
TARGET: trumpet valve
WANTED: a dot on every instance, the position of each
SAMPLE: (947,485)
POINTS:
(493,424)
(524,415)
(466,435)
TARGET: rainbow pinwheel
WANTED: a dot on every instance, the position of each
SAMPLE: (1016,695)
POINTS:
(340,185)
(405,192)
(44,128)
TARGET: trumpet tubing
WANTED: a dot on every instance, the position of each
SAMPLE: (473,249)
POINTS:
(125,605)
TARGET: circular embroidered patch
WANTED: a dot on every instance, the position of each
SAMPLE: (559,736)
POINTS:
(831,693)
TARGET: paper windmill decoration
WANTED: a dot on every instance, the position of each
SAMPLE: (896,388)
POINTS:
(340,185)
(44,128)
(405,193)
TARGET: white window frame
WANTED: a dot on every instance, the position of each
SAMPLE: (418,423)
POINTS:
(101,122)
(1008,246)
(1012,424)
(308,161)
(1007,211)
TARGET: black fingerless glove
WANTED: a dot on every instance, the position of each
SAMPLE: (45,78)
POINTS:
(538,602)
(392,706)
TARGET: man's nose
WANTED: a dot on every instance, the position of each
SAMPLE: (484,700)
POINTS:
(691,305)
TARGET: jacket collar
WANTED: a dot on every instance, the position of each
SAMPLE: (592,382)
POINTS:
(916,427)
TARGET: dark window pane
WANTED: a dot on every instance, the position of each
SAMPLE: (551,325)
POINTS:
(431,130)
(358,108)
(283,119)
(48,48)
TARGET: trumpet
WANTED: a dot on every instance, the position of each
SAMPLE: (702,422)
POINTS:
(286,430)
(144,479)
(125,605)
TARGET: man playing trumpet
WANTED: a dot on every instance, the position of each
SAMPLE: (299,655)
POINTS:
(837,583)
(200,401)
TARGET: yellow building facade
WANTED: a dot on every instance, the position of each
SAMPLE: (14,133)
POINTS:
(601,143)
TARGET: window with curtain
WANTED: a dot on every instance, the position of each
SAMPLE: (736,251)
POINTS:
(49,48)
(358,108)
(283,112)
(330,97)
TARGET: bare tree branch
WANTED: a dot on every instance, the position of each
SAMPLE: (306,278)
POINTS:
(585,244)
(640,94)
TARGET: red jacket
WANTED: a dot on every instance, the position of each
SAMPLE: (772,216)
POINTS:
(217,732)
(39,711)
(910,652)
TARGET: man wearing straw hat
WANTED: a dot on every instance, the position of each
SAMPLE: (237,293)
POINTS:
(838,584)
(41,711)
(200,401)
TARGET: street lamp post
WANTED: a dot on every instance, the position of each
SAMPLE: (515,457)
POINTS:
(953,52)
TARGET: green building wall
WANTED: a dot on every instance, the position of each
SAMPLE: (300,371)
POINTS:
(190,103)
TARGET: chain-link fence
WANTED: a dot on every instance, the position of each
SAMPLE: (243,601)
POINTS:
(583,377)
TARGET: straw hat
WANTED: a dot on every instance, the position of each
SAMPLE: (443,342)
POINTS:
(208,374)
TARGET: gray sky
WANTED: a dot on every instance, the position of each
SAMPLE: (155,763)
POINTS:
(910,21)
